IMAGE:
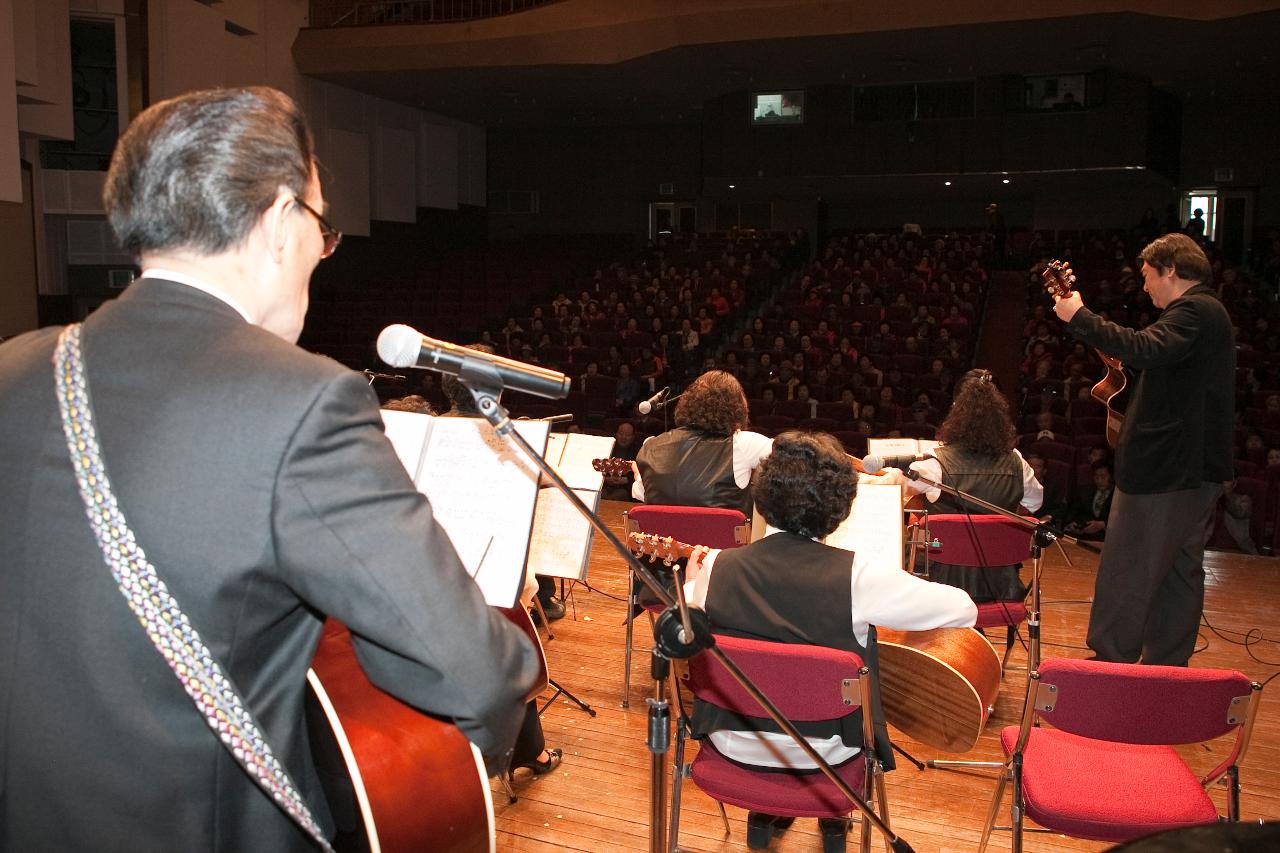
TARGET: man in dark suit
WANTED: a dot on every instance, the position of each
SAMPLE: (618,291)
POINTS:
(1092,507)
(1172,458)
(258,480)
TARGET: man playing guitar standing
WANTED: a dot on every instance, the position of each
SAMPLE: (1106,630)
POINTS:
(1174,454)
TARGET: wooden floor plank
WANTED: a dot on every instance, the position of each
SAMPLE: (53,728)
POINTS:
(598,800)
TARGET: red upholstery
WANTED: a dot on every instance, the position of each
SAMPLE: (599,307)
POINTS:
(1138,700)
(798,795)
(978,540)
(805,683)
(693,525)
(992,614)
(1107,770)
(1106,791)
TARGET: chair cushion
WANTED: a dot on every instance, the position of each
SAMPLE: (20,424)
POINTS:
(994,613)
(776,792)
(1106,791)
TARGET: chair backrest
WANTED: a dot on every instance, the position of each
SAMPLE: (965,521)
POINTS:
(693,525)
(978,540)
(1141,704)
(805,682)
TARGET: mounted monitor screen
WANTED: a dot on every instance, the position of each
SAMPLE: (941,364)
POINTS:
(1060,92)
(778,108)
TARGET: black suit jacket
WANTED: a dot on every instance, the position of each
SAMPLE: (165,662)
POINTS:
(258,480)
(1178,425)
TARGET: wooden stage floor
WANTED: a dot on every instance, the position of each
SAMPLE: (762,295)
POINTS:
(598,799)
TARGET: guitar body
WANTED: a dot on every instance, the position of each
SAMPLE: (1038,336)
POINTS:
(418,783)
(1058,279)
(1109,393)
(938,686)
(520,617)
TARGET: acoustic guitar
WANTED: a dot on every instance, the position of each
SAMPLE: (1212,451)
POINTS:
(937,686)
(1058,280)
(416,781)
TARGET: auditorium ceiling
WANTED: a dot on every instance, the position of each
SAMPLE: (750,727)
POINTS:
(605,77)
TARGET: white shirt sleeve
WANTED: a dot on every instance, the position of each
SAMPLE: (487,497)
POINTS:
(637,487)
(889,597)
(932,469)
(1032,491)
(749,448)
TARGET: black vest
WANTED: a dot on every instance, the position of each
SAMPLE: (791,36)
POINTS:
(688,467)
(997,481)
(789,589)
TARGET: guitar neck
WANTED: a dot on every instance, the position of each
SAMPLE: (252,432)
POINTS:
(661,547)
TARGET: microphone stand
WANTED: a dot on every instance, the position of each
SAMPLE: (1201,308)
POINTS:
(680,632)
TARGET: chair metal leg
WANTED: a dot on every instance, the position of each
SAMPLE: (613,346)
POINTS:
(724,817)
(678,771)
(505,780)
(992,812)
(882,803)
(626,657)
(1015,803)
(542,614)
(1233,793)
(946,764)
(1011,635)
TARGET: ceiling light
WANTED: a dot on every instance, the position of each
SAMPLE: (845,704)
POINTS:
(1005,181)
(946,183)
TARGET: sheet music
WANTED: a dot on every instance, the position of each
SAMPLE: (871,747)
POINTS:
(574,463)
(913,447)
(482,490)
(874,527)
(560,545)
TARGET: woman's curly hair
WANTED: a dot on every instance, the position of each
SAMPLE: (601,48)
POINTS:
(979,419)
(714,402)
(806,485)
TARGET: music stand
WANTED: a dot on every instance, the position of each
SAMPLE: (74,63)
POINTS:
(560,688)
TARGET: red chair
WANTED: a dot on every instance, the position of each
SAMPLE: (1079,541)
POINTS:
(980,542)
(806,683)
(693,525)
(1107,770)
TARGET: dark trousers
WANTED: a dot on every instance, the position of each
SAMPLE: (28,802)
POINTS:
(529,742)
(1149,593)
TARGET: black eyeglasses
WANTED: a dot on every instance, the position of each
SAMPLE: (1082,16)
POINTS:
(332,236)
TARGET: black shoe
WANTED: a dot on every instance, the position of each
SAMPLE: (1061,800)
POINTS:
(553,609)
(540,768)
(834,831)
(762,827)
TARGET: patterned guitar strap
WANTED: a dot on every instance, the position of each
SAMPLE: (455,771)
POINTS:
(149,599)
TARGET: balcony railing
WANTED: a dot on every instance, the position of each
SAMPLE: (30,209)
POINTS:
(364,13)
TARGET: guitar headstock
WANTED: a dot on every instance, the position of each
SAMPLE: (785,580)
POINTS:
(612,467)
(1059,279)
(663,548)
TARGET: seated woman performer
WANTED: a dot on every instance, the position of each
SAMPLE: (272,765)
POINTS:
(789,587)
(977,456)
(708,458)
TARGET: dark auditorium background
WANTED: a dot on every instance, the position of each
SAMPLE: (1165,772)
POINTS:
(829,163)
